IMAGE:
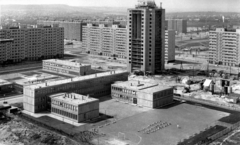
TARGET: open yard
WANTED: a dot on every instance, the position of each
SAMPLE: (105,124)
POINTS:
(190,119)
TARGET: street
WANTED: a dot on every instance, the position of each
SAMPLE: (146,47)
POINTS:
(12,99)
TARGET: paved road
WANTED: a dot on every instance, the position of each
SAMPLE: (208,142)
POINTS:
(12,99)
(20,70)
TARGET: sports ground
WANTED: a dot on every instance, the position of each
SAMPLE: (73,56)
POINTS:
(185,120)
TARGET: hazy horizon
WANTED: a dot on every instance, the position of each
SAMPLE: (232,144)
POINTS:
(169,5)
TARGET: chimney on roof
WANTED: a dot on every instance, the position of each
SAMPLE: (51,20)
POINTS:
(131,84)
(139,82)
(160,5)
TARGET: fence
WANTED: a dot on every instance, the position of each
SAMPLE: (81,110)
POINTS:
(225,131)
(218,135)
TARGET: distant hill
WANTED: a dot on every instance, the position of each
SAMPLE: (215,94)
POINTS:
(88,10)
(62,8)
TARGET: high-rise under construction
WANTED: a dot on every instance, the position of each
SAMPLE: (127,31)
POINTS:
(146,37)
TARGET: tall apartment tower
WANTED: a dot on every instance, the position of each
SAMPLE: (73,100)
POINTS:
(224,46)
(146,37)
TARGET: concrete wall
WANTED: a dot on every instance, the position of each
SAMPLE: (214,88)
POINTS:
(145,99)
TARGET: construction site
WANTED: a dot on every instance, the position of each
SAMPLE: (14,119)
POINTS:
(205,108)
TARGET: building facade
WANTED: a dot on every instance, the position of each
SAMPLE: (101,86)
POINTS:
(74,106)
(146,33)
(66,67)
(31,43)
(179,25)
(169,45)
(142,94)
(224,46)
(36,96)
(72,30)
(105,40)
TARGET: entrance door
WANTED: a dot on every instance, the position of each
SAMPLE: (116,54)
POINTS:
(134,100)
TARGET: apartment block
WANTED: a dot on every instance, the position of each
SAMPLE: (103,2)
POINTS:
(31,43)
(66,67)
(169,45)
(224,46)
(74,106)
(146,42)
(105,40)
(36,97)
(142,94)
(72,30)
(179,25)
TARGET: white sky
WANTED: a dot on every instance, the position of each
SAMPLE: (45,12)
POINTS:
(169,5)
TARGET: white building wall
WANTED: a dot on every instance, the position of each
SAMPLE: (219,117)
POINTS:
(224,47)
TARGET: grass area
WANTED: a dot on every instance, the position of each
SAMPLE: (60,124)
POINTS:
(203,135)
(232,119)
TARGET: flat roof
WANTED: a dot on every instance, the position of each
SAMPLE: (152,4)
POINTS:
(4,82)
(67,62)
(73,98)
(134,85)
(155,89)
(76,79)
(141,86)
(37,79)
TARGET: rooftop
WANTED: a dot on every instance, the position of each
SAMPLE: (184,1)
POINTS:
(73,98)
(146,3)
(73,63)
(141,86)
(76,79)
(4,82)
